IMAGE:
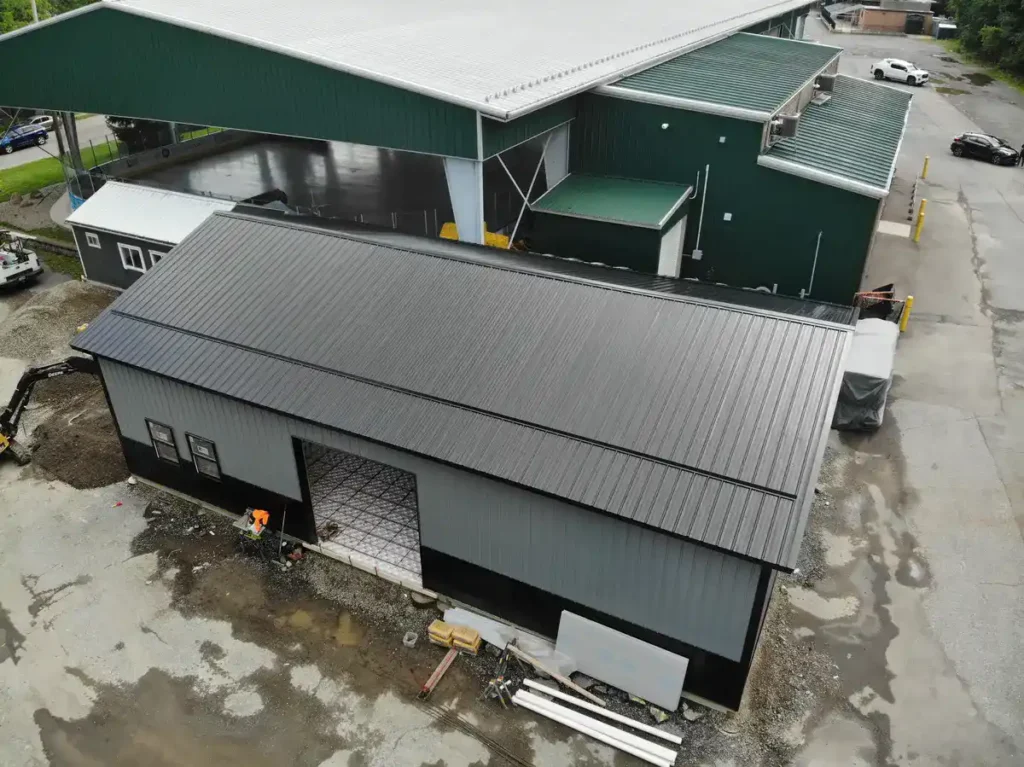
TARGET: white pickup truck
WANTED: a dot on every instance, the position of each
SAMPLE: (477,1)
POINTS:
(18,264)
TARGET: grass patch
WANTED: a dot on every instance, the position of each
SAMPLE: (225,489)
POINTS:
(22,179)
(53,232)
(58,262)
(1014,81)
(198,133)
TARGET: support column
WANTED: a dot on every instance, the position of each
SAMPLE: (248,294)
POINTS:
(798,33)
(556,156)
(466,189)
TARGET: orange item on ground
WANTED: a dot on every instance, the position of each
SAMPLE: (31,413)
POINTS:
(260,519)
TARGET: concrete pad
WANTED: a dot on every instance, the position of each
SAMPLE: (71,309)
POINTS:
(893,228)
(947,364)
(11,371)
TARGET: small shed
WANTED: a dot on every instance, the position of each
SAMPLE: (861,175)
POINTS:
(124,230)
(617,221)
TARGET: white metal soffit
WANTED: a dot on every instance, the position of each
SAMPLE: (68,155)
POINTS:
(502,59)
(147,213)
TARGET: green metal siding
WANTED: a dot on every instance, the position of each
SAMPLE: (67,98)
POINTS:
(117,63)
(747,71)
(775,217)
(614,244)
(499,136)
(787,21)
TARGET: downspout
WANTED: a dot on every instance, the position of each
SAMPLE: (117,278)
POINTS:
(814,268)
(697,254)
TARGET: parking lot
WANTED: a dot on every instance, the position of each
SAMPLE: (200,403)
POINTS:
(133,635)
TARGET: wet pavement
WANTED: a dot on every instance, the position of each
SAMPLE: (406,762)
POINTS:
(401,190)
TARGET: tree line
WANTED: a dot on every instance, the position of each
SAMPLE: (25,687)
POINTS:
(992,30)
(17,13)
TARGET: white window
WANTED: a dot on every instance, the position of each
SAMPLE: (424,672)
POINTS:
(204,455)
(155,256)
(131,257)
(163,441)
(92,239)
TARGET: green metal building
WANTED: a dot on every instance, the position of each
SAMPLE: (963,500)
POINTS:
(674,141)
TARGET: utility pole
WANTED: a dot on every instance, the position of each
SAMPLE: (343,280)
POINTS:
(35,13)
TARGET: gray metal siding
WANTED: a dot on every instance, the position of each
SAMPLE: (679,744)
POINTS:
(103,264)
(688,592)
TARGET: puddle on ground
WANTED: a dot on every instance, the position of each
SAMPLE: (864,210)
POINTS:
(977,78)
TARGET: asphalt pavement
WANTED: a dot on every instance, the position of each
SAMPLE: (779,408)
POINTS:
(93,128)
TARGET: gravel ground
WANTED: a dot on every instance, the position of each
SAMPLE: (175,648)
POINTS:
(31,212)
(40,330)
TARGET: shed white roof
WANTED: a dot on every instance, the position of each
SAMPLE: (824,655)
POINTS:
(141,211)
(502,59)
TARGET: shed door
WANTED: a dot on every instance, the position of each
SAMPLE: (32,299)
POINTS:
(671,254)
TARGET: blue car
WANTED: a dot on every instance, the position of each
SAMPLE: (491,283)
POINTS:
(22,136)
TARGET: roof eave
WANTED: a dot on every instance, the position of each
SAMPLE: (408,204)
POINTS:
(822,177)
(689,105)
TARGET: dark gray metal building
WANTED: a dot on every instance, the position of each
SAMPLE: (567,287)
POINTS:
(124,230)
(517,432)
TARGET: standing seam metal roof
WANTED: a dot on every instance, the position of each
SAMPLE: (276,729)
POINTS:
(702,421)
(746,71)
(502,59)
(854,135)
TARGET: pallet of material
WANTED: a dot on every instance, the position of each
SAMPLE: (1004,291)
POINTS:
(440,633)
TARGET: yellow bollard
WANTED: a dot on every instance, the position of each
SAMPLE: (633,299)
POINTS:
(920,221)
(905,317)
(924,170)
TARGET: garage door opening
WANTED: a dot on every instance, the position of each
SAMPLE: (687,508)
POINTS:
(365,512)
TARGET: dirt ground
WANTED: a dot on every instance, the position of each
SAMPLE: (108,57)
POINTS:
(31,212)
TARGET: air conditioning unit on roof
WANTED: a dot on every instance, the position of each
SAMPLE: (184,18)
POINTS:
(784,126)
(825,83)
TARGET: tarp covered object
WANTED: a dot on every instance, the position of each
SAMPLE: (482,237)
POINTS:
(868,376)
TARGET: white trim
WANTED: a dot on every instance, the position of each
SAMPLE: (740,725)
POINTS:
(690,105)
(78,247)
(479,137)
(672,211)
(549,191)
(92,240)
(123,248)
(821,176)
(159,257)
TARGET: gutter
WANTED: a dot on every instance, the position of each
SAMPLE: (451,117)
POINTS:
(690,105)
(822,177)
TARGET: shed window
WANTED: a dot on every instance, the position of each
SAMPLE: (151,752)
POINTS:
(155,256)
(92,239)
(204,455)
(131,257)
(163,441)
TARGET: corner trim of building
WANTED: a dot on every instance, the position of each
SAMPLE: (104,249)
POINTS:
(690,105)
(821,176)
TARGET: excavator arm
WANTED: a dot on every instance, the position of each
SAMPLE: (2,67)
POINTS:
(11,414)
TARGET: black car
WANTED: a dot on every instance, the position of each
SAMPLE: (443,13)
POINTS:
(21,136)
(984,147)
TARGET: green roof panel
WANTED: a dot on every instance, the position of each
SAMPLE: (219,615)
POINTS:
(648,204)
(753,72)
(855,135)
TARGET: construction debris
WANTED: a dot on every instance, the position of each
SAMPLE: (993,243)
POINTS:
(440,633)
(563,680)
(409,640)
(659,716)
(692,715)
(434,678)
(652,753)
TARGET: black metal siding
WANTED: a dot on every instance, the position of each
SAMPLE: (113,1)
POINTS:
(103,264)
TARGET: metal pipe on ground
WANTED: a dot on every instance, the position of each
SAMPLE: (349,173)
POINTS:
(654,749)
(544,689)
(592,732)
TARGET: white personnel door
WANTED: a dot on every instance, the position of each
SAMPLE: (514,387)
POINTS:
(671,255)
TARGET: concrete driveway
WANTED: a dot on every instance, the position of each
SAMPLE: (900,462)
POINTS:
(93,128)
(920,602)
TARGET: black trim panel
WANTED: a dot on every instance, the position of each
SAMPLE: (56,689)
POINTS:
(709,676)
(228,493)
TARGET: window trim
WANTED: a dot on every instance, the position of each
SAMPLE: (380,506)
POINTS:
(92,240)
(122,248)
(159,257)
(150,423)
(189,436)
